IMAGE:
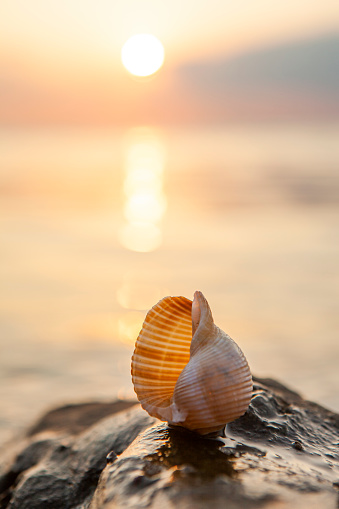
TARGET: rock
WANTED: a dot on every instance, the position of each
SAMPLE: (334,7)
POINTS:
(75,418)
(59,466)
(283,453)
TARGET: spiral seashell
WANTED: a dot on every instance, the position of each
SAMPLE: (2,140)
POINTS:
(186,370)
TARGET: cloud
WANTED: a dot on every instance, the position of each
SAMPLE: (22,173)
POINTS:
(310,64)
(293,79)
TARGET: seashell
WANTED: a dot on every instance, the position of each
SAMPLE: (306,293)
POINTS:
(186,370)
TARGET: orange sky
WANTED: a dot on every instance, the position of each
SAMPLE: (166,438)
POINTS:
(60,60)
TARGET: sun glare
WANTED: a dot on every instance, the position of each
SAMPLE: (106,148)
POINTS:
(142,54)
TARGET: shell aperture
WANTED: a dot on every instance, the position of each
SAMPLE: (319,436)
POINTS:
(187,371)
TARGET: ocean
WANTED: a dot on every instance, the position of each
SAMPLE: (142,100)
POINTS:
(97,225)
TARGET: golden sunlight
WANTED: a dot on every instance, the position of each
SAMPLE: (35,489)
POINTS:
(142,54)
(145,200)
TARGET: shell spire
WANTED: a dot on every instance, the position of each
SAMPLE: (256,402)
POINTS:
(186,370)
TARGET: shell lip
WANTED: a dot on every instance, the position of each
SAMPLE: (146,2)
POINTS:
(203,326)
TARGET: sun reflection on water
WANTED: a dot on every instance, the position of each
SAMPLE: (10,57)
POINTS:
(145,202)
(143,211)
(135,295)
(129,326)
(137,292)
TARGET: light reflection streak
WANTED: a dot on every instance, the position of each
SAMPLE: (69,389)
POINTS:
(143,210)
(145,202)
(144,180)
(129,326)
(137,292)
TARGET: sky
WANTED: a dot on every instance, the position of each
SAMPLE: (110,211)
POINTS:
(61,62)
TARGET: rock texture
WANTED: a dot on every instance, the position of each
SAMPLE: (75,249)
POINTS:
(283,453)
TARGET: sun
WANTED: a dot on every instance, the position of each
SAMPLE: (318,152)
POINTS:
(142,54)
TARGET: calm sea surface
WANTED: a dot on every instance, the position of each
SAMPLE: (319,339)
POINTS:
(97,226)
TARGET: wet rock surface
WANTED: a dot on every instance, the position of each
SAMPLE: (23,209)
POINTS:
(283,453)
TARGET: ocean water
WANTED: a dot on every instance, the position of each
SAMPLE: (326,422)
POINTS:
(98,225)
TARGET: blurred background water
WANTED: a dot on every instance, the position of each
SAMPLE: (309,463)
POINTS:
(219,172)
(97,226)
